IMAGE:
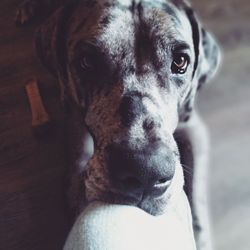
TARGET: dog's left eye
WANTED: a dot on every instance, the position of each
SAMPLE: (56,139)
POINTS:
(180,63)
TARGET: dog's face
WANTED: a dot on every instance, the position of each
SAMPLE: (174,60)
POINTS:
(134,69)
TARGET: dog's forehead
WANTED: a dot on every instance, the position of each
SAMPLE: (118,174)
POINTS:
(115,24)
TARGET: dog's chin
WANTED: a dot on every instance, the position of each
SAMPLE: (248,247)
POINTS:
(155,206)
(152,205)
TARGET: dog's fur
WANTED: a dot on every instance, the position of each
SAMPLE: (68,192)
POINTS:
(105,51)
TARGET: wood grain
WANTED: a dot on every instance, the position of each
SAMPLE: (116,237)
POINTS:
(33,211)
(33,169)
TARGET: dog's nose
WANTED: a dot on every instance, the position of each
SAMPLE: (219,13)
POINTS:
(142,172)
(131,106)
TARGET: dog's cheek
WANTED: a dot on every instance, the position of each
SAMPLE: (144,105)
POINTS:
(103,122)
(96,177)
(169,114)
(102,117)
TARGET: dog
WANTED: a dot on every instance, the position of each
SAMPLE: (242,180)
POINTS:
(129,72)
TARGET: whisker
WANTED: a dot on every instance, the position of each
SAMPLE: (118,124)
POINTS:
(187,169)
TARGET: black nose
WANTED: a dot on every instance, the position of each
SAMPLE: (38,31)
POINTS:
(147,171)
(131,106)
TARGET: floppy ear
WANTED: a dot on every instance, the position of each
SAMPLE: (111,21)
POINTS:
(210,57)
(51,47)
(207,59)
(46,40)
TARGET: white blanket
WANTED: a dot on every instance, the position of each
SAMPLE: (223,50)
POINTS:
(117,227)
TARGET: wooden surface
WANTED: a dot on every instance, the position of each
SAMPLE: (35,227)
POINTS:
(33,213)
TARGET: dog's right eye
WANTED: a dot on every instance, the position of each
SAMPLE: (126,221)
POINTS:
(87,57)
(90,61)
(86,63)
(180,63)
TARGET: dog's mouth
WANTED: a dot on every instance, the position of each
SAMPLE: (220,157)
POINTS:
(138,201)
(153,204)
(156,192)
(141,178)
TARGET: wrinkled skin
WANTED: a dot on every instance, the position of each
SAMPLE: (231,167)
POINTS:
(116,64)
(130,55)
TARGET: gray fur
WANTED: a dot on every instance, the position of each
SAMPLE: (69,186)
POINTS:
(133,43)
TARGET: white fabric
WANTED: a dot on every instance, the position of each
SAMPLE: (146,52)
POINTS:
(117,227)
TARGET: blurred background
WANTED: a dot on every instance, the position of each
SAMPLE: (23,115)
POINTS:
(225,106)
(33,213)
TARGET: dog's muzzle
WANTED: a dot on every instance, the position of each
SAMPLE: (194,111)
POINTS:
(139,173)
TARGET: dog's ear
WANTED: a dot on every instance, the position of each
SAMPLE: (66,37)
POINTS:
(207,51)
(47,41)
(207,58)
(51,46)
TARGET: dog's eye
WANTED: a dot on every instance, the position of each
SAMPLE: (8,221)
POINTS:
(180,63)
(86,63)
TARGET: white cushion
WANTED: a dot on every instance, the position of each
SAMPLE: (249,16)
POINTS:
(119,227)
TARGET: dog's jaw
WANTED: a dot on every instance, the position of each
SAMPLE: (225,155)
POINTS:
(102,114)
(158,206)
(98,188)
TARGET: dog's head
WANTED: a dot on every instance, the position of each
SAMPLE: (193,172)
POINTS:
(133,68)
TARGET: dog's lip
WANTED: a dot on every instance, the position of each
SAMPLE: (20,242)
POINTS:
(136,200)
(158,189)
(155,192)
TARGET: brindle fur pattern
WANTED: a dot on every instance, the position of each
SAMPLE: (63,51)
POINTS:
(121,44)
(129,48)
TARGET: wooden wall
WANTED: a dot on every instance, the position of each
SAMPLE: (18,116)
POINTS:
(33,212)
